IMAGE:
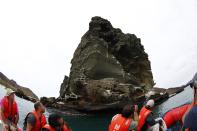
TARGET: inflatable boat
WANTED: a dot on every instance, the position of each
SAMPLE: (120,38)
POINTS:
(175,115)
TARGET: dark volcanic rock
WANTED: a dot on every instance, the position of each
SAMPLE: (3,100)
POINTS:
(21,92)
(105,61)
(64,87)
(109,69)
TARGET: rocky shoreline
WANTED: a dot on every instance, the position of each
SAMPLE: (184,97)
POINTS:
(22,92)
(160,95)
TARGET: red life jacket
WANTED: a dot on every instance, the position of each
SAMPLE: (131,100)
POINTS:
(142,117)
(40,121)
(47,126)
(120,123)
(9,111)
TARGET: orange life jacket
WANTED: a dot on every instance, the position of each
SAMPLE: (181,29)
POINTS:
(142,117)
(40,121)
(9,111)
(47,126)
(120,123)
(43,120)
(65,128)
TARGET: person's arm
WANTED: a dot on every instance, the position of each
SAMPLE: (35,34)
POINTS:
(29,127)
(2,115)
(17,119)
(31,121)
(17,116)
(136,117)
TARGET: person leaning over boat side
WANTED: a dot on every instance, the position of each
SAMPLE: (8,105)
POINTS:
(190,117)
(9,111)
(54,123)
(35,120)
(64,125)
(126,121)
(146,119)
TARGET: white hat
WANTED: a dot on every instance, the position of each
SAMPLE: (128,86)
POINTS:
(150,103)
(9,91)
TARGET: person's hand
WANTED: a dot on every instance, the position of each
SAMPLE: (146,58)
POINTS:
(160,122)
(136,108)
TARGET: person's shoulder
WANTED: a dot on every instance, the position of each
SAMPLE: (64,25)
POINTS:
(191,114)
(31,116)
(116,116)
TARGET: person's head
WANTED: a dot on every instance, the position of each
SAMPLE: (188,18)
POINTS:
(38,106)
(127,111)
(62,121)
(10,94)
(194,85)
(150,104)
(55,121)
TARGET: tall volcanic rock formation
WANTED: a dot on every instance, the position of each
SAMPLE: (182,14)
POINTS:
(107,66)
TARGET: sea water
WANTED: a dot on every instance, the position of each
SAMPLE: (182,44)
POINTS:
(100,122)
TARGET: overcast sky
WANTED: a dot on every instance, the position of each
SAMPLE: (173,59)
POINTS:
(38,38)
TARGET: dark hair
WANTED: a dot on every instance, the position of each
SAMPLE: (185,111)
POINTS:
(54,120)
(127,111)
(37,105)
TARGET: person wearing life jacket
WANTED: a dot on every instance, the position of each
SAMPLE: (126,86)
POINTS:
(54,123)
(126,121)
(190,117)
(9,111)
(64,125)
(35,120)
(146,119)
